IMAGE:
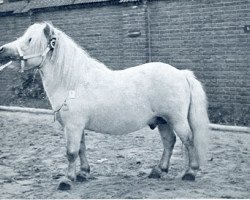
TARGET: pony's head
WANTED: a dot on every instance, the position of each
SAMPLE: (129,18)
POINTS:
(30,50)
(46,47)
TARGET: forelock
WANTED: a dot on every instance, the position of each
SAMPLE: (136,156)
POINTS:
(35,29)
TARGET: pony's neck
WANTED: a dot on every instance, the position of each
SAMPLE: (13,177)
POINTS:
(58,91)
(66,68)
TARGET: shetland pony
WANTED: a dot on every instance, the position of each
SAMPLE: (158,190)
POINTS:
(85,94)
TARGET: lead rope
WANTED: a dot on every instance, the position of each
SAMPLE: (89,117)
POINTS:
(5,65)
(57,111)
(64,106)
(34,76)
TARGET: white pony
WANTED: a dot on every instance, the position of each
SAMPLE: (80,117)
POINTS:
(85,94)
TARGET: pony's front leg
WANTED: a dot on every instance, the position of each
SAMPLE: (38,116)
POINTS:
(84,173)
(73,137)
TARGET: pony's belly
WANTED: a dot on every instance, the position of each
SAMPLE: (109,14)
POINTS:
(117,124)
(120,129)
(115,127)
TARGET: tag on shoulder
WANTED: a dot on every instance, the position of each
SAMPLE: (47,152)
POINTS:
(72,94)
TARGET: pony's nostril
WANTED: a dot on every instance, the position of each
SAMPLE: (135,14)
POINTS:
(1,49)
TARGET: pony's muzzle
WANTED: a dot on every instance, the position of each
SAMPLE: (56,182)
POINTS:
(7,53)
(9,57)
(3,50)
(3,53)
(3,56)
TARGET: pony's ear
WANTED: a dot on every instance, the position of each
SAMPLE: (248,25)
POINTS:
(49,31)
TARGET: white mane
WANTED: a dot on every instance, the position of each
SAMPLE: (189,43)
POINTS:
(69,61)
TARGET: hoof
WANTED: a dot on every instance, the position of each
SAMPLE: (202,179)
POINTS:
(81,177)
(188,177)
(65,184)
(155,173)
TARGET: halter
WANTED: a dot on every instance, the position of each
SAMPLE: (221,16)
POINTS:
(23,58)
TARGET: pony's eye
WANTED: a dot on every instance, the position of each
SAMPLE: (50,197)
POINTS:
(30,40)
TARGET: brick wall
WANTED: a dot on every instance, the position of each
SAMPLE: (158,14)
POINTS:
(208,37)
(205,36)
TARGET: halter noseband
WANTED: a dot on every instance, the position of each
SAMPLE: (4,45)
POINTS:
(23,58)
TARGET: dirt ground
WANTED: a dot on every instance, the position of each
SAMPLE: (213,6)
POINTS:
(33,159)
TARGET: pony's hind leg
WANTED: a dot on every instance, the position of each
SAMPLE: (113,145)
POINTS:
(168,139)
(83,175)
(183,130)
(73,138)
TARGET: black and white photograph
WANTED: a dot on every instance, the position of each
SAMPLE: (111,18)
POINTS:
(124,99)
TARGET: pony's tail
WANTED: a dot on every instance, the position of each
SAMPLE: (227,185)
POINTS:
(198,117)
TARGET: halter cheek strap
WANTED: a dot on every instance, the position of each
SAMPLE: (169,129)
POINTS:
(23,58)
